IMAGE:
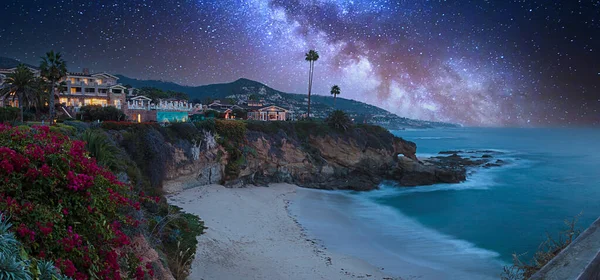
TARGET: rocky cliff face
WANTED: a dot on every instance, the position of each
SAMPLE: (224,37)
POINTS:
(325,162)
(357,160)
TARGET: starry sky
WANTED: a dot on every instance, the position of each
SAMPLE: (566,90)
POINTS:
(479,62)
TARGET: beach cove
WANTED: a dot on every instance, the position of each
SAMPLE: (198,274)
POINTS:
(251,235)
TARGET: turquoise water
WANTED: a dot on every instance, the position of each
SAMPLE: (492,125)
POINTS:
(467,230)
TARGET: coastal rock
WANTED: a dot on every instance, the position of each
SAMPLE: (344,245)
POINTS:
(355,160)
(409,172)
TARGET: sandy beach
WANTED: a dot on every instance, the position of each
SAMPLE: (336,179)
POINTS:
(250,235)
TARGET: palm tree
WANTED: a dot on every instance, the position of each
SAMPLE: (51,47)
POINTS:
(19,84)
(335,90)
(311,57)
(53,68)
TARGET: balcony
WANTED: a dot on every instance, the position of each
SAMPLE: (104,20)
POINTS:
(89,84)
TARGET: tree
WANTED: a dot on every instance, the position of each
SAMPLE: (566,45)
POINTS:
(97,112)
(311,56)
(339,120)
(335,90)
(53,68)
(19,84)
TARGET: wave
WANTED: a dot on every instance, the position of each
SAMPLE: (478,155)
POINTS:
(355,224)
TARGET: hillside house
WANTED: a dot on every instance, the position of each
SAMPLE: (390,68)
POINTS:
(269,113)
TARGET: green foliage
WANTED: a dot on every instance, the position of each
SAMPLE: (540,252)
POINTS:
(67,208)
(14,261)
(110,125)
(53,68)
(339,120)
(79,126)
(185,131)
(63,129)
(9,114)
(97,112)
(178,231)
(240,114)
(100,147)
(20,85)
(207,125)
(232,130)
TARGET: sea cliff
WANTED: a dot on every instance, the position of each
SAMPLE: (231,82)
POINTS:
(308,154)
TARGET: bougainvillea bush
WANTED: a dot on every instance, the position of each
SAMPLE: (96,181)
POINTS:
(65,208)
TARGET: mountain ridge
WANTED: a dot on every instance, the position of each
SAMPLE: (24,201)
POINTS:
(242,89)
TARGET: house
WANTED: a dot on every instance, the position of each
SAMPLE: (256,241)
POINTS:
(269,113)
(83,89)
(222,107)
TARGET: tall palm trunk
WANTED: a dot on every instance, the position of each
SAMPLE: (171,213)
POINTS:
(334,96)
(52,103)
(20,97)
(310,69)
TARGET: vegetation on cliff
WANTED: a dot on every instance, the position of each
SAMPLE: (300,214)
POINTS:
(66,208)
(547,250)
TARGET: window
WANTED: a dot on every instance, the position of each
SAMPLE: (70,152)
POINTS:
(75,90)
(99,81)
(90,90)
(117,91)
(94,101)
(102,90)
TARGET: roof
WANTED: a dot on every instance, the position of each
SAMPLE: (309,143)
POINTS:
(102,74)
(10,70)
(272,107)
(140,97)
(106,75)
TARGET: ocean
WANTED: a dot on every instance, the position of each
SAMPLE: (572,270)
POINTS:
(468,230)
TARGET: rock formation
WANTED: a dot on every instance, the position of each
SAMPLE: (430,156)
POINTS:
(359,160)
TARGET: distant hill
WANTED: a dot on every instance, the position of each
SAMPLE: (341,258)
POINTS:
(7,63)
(241,90)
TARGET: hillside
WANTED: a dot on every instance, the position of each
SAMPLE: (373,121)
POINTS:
(241,90)
(7,63)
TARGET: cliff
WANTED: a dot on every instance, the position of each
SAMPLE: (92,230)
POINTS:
(309,154)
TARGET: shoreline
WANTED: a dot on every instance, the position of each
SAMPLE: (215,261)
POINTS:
(251,235)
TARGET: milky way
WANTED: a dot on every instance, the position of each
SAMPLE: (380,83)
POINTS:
(491,63)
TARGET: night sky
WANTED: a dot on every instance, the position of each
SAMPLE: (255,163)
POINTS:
(480,62)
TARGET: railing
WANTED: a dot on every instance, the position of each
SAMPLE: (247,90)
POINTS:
(89,84)
(579,261)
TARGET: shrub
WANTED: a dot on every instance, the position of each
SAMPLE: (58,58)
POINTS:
(185,131)
(232,130)
(549,249)
(17,265)
(102,149)
(65,207)
(208,125)
(339,120)
(9,114)
(111,125)
(97,112)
